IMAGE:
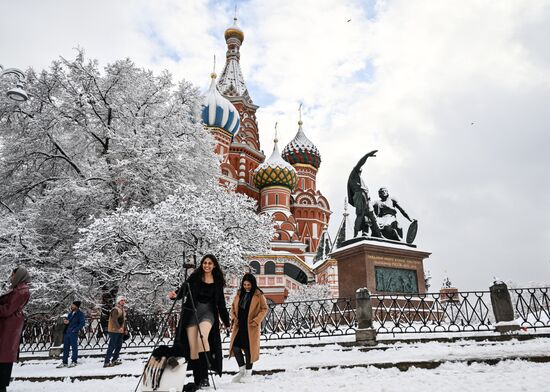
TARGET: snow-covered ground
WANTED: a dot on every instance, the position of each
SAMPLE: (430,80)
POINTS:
(340,368)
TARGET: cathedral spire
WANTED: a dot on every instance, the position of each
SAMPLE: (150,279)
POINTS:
(341,234)
(231,83)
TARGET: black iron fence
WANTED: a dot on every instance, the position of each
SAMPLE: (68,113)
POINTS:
(532,306)
(467,311)
(445,312)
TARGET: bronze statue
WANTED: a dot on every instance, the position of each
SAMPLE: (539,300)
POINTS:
(358,196)
(386,214)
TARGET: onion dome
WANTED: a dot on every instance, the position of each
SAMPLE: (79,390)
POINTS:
(275,171)
(234,31)
(302,150)
(218,112)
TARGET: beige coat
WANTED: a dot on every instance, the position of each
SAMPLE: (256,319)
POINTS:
(117,319)
(256,313)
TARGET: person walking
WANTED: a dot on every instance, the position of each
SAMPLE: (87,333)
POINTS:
(12,321)
(74,322)
(116,329)
(248,310)
(199,333)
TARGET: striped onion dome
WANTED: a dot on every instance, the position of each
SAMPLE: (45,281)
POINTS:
(275,171)
(218,112)
(302,150)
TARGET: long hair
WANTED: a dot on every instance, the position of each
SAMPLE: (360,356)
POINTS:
(217,272)
(248,277)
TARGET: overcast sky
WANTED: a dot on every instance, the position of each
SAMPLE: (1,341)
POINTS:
(455,96)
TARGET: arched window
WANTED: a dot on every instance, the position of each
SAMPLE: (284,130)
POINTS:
(269,268)
(295,273)
(254,267)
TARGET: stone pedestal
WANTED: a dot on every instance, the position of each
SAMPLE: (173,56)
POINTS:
(383,267)
(503,309)
(365,334)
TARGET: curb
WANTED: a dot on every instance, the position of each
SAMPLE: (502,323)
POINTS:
(402,366)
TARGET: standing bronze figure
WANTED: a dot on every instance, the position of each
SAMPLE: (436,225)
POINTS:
(358,196)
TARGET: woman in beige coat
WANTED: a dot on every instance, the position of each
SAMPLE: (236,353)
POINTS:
(248,310)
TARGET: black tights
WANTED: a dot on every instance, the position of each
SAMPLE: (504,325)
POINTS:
(239,357)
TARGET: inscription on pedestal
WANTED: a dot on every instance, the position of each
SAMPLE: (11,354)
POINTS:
(396,280)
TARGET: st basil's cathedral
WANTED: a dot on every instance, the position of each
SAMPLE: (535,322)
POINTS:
(284,184)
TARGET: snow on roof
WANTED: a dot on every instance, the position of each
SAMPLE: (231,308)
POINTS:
(302,150)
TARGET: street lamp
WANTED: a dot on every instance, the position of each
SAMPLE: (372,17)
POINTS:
(17,93)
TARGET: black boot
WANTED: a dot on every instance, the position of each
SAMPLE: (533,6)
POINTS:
(197,371)
(194,364)
(204,383)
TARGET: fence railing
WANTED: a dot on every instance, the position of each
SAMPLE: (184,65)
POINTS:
(468,311)
(456,312)
(532,306)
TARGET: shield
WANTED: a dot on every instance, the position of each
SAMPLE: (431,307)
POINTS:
(411,233)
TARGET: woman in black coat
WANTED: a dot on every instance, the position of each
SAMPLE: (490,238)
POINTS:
(206,286)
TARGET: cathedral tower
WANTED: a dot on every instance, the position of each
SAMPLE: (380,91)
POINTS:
(309,207)
(245,154)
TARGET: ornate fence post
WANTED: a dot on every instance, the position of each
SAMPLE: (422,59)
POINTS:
(365,334)
(57,345)
(503,309)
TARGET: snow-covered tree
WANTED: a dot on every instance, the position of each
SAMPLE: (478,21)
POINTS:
(427,279)
(103,150)
(142,249)
(309,292)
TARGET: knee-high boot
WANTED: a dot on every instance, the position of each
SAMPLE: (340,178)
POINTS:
(204,370)
(195,366)
(197,376)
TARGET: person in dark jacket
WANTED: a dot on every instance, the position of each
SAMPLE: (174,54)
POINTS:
(74,322)
(206,295)
(248,310)
(12,321)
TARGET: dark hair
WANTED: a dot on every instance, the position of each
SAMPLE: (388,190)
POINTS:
(77,303)
(216,272)
(248,277)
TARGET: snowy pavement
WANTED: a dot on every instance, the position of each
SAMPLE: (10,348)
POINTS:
(340,368)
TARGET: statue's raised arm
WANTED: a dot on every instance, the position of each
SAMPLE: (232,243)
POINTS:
(364,159)
(358,196)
